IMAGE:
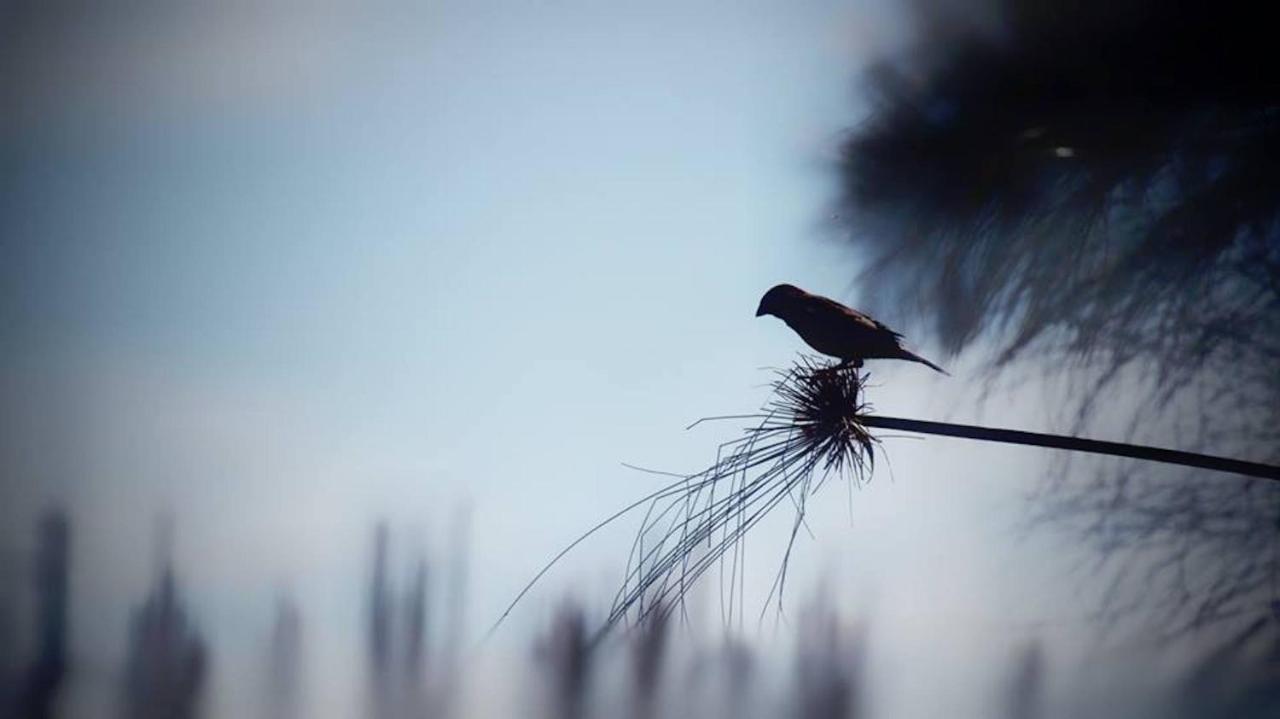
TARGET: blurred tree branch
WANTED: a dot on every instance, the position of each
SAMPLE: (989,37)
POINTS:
(1095,189)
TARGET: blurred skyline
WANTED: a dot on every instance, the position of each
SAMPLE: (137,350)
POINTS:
(275,272)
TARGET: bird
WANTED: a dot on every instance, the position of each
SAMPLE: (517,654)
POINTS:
(834,329)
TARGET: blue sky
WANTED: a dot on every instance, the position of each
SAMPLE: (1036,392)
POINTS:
(277,273)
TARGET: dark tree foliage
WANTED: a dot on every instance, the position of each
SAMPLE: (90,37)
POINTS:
(1102,174)
(1096,186)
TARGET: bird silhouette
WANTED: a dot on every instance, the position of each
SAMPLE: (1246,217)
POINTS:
(833,329)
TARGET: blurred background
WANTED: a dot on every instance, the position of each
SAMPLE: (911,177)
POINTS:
(327,324)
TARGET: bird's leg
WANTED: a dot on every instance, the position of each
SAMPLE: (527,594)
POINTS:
(854,363)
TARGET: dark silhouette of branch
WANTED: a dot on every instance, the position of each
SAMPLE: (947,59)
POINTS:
(1076,444)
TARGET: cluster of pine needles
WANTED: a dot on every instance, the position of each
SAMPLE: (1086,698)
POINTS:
(809,431)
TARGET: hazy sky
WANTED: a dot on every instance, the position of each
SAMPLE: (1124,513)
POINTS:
(277,270)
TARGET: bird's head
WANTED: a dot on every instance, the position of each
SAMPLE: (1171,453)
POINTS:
(778,299)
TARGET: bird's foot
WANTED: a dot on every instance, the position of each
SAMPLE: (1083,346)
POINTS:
(845,365)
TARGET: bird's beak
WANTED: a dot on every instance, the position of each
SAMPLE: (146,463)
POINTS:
(760,310)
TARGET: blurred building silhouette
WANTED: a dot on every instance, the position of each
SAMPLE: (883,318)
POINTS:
(565,657)
(167,660)
(39,683)
(416,619)
(284,694)
(380,604)
(398,639)
(8,639)
(828,667)
(648,648)
(1026,689)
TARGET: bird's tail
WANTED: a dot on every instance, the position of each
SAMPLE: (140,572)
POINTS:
(909,355)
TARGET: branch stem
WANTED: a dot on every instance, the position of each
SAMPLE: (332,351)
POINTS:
(1076,444)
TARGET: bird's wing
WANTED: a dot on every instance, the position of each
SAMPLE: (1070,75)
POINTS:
(826,305)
